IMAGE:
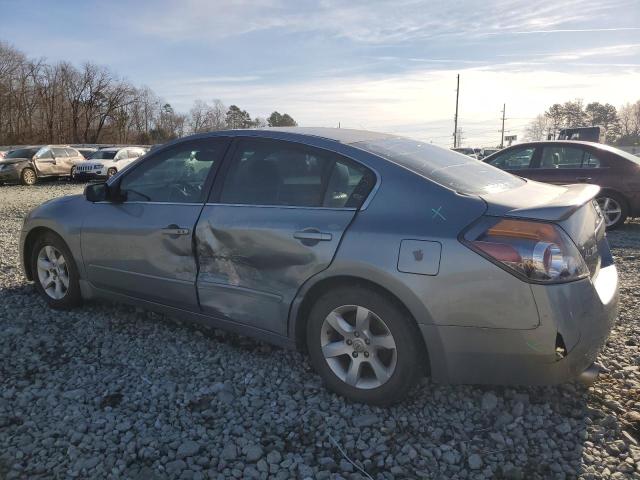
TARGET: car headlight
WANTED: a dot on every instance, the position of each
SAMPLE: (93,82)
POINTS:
(538,252)
(97,166)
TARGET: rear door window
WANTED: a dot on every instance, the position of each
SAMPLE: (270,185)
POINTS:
(561,157)
(274,172)
(59,152)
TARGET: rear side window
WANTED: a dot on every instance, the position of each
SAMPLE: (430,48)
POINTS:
(568,157)
(71,152)
(458,172)
(273,172)
(516,159)
(59,152)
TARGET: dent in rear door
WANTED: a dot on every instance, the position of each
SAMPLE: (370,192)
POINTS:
(252,264)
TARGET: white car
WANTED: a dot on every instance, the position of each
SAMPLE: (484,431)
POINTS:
(107,162)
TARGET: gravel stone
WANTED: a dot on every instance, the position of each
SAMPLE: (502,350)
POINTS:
(110,391)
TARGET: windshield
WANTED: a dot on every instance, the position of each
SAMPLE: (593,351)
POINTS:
(22,153)
(449,169)
(103,155)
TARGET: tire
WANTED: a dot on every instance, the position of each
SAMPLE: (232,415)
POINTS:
(28,176)
(111,172)
(72,174)
(45,251)
(401,366)
(614,208)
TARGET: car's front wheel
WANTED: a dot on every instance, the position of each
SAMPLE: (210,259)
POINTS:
(28,176)
(111,172)
(363,345)
(614,209)
(72,173)
(55,273)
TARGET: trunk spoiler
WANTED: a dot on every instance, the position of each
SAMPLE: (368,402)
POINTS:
(540,201)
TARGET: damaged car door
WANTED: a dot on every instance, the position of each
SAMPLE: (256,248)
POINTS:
(275,219)
(140,243)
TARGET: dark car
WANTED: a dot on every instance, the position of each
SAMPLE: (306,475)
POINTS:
(564,162)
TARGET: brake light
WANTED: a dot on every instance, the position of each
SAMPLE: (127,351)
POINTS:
(537,251)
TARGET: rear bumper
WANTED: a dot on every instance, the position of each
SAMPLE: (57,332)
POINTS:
(10,173)
(580,314)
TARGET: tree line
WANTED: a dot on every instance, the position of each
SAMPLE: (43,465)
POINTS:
(62,103)
(621,125)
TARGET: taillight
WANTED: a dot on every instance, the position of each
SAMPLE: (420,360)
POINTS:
(536,251)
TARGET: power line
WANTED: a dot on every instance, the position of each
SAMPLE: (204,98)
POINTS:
(455,120)
(504,109)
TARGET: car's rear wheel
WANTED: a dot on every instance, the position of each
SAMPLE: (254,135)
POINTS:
(55,273)
(614,209)
(111,172)
(363,345)
(28,176)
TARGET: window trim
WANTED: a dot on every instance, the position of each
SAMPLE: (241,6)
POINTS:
(216,191)
(208,183)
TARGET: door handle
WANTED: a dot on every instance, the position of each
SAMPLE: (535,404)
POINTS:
(313,235)
(175,230)
(584,179)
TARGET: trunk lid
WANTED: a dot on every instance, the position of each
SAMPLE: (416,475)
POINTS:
(572,207)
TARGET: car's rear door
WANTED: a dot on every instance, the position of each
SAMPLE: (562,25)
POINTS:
(275,218)
(143,247)
(561,164)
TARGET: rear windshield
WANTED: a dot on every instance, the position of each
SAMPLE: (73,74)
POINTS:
(450,169)
(23,153)
(103,155)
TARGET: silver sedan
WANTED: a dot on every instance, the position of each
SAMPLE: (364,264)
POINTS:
(383,257)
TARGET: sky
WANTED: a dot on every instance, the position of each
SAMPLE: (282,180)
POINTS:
(380,65)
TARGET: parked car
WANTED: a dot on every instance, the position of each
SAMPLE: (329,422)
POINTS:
(87,151)
(106,162)
(470,152)
(381,256)
(564,162)
(28,164)
(488,151)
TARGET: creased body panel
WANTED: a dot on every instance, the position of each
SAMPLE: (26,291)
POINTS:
(251,264)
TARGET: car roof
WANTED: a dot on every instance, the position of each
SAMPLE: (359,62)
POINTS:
(342,135)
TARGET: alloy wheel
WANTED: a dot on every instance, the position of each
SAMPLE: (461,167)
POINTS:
(53,272)
(611,210)
(358,347)
(28,176)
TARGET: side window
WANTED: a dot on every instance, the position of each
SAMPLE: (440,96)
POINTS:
(71,152)
(273,172)
(590,160)
(348,185)
(59,152)
(44,153)
(177,175)
(516,159)
(561,157)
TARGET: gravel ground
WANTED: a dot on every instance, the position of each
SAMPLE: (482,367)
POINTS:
(110,392)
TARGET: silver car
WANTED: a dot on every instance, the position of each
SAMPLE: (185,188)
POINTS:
(384,258)
(28,164)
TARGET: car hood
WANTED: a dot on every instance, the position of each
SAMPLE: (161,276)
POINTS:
(9,161)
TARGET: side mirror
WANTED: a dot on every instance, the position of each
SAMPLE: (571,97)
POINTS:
(96,192)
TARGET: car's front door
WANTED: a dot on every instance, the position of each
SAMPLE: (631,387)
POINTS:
(143,247)
(274,220)
(516,160)
(45,162)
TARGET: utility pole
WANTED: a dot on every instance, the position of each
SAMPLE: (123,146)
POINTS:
(504,109)
(455,119)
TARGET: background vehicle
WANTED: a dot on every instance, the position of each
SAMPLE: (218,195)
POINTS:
(565,162)
(471,152)
(87,151)
(106,162)
(28,164)
(586,134)
(382,256)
